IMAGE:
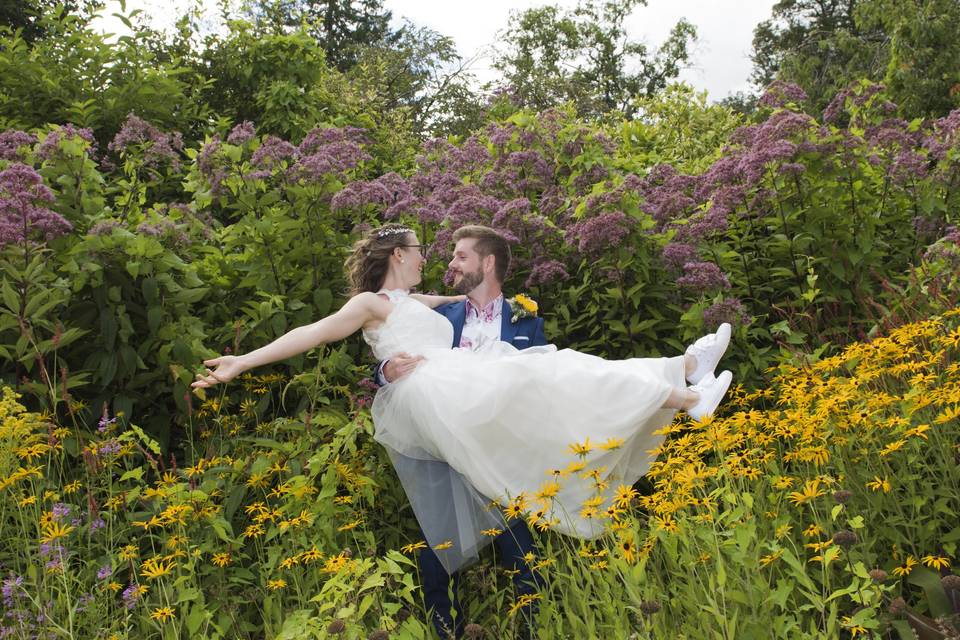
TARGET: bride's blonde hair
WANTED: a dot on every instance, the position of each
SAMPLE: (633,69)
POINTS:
(368,263)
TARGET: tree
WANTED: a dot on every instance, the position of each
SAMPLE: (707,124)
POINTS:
(585,56)
(27,14)
(341,27)
(824,45)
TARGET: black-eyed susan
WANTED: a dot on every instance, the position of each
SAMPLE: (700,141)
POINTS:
(879,484)
(276,585)
(936,562)
(163,614)
(221,559)
(904,570)
(410,548)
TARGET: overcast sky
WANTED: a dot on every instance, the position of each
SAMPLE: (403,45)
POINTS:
(720,63)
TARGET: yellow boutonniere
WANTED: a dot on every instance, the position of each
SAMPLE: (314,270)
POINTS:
(522,307)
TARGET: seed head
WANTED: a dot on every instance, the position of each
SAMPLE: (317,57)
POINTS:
(842,495)
(897,606)
(402,615)
(950,582)
(649,607)
(473,631)
(845,538)
(379,634)
(336,627)
(878,575)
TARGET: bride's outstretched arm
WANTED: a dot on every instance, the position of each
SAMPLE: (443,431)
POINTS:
(358,311)
(435,301)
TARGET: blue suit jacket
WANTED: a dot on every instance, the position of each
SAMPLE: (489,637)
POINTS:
(525,332)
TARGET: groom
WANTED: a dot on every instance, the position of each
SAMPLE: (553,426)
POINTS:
(479,265)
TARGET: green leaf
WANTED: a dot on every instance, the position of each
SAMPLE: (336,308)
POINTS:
(929,581)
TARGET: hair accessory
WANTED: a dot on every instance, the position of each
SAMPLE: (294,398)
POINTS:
(383,233)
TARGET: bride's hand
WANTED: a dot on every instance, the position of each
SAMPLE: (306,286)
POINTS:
(227,368)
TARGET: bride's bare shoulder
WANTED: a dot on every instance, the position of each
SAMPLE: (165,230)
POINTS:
(375,307)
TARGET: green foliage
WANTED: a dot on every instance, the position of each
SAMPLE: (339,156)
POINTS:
(77,75)
(823,46)
(583,56)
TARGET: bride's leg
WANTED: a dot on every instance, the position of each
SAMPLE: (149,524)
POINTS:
(681,399)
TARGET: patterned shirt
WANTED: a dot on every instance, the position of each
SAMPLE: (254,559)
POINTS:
(481,325)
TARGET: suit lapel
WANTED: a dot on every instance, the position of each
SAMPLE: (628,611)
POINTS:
(457,316)
(507,329)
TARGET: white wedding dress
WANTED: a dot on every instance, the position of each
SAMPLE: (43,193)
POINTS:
(503,419)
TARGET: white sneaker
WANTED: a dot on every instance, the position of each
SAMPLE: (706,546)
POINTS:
(711,393)
(708,350)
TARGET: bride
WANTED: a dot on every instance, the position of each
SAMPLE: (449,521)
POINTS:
(553,430)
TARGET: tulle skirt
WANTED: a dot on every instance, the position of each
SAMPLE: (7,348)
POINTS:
(554,430)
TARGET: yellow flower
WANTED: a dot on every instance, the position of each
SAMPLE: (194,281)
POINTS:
(493,533)
(410,548)
(879,484)
(612,443)
(221,559)
(768,559)
(28,501)
(624,496)
(575,467)
(162,614)
(937,562)
(529,305)
(73,487)
(893,446)
(811,491)
(443,545)
(54,531)
(782,531)
(351,525)
(289,563)
(524,601)
(854,629)
(581,449)
(254,531)
(548,490)
(627,549)
(114,586)
(154,568)
(311,555)
(812,530)
(274,585)
(907,567)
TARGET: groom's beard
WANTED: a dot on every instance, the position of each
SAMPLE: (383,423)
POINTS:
(468,281)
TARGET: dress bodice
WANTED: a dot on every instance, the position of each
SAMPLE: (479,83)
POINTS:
(411,327)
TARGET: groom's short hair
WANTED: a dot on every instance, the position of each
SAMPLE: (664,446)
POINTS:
(489,242)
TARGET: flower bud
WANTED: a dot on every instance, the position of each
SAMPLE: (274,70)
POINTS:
(842,496)
(897,606)
(878,575)
(473,631)
(950,582)
(649,607)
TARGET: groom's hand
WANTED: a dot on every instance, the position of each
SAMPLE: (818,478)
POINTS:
(400,365)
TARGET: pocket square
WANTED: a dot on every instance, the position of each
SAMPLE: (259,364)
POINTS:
(515,338)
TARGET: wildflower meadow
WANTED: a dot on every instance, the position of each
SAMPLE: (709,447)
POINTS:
(162,204)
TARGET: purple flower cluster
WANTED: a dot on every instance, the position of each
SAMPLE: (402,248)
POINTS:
(104,572)
(546,272)
(677,254)
(730,310)
(389,191)
(702,277)
(157,147)
(50,147)
(944,136)
(131,595)
(241,133)
(595,236)
(272,151)
(23,216)
(780,93)
(12,142)
(326,152)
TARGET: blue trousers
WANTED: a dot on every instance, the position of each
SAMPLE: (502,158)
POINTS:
(512,545)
